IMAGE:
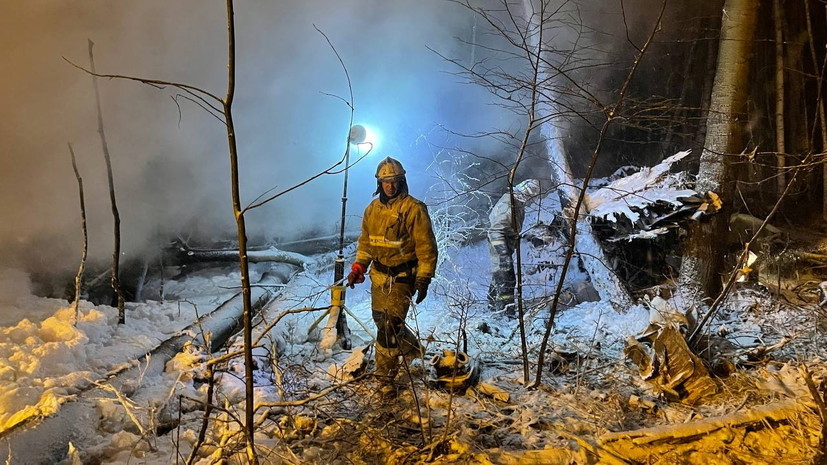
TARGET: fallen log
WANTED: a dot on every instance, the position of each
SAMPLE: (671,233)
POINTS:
(811,257)
(777,411)
(186,254)
(319,244)
(784,428)
(549,456)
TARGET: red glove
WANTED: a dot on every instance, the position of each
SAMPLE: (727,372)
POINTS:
(357,274)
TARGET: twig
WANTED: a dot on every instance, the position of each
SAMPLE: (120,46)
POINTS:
(267,329)
(157,83)
(202,433)
(319,395)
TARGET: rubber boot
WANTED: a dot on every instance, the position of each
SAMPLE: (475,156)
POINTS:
(387,362)
(409,345)
(387,366)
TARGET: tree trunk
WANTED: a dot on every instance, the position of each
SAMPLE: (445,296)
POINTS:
(588,249)
(821,123)
(247,315)
(780,146)
(603,278)
(726,121)
(116,216)
(572,200)
(79,275)
(187,255)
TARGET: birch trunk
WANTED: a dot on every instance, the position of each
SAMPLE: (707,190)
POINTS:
(85,251)
(702,259)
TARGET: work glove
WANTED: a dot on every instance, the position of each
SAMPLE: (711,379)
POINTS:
(357,274)
(421,288)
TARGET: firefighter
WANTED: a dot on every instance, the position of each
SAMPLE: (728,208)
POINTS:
(398,244)
(502,240)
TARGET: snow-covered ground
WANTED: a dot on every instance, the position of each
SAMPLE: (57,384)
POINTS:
(55,364)
(52,353)
(49,357)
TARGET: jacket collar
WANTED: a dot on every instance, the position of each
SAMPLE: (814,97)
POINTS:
(395,199)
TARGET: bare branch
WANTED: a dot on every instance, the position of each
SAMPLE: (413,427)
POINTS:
(152,82)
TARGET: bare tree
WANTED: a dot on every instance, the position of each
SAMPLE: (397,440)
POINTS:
(247,317)
(116,253)
(79,275)
(822,119)
(222,110)
(531,125)
(533,91)
(571,198)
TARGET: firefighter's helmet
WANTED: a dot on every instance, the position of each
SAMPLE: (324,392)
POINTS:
(389,168)
(453,371)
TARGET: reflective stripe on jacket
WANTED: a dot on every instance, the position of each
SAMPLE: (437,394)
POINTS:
(396,233)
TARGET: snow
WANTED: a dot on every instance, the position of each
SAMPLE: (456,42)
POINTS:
(54,366)
(53,357)
(631,194)
(50,357)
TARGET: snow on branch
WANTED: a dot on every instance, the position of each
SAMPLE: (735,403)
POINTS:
(628,196)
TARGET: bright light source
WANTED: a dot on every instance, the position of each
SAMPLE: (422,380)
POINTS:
(357,135)
(370,139)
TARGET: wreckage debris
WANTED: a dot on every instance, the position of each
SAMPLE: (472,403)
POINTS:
(640,217)
(665,360)
(783,431)
(493,391)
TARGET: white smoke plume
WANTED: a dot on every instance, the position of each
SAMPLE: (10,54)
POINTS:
(171,166)
(170,160)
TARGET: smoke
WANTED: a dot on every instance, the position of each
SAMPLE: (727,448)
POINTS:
(169,156)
